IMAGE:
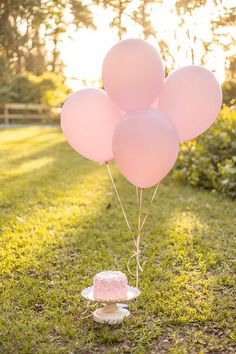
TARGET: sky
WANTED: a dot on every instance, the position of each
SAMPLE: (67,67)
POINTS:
(83,51)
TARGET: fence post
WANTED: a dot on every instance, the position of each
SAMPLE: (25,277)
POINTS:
(40,113)
(6,114)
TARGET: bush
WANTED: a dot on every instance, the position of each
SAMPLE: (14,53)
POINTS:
(27,88)
(52,89)
(229,89)
(23,89)
(210,160)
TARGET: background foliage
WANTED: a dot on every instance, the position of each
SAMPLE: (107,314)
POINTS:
(210,160)
(229,92)
(47,88)
(32,32)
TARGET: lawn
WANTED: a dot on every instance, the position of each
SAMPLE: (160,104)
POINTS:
(60,223)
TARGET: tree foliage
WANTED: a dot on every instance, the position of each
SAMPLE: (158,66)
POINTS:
(184,6)
(142,17)
(27,26)
(30,27)
(119,8)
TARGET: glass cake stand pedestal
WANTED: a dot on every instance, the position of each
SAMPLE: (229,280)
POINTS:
(112,312)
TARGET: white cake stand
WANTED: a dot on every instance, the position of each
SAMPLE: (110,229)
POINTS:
(112,312)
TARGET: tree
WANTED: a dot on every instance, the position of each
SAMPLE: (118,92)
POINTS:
(188,6)
(185,10)
(57,24)
(225,38)
(231,68)
(17,29)
(220,19)
(22,23)
(119,7)
(142,17)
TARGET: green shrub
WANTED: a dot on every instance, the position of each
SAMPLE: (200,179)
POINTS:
(23,89)
(210,160)
(52,89)
(27,88)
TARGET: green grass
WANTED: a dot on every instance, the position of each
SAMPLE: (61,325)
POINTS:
(60,224)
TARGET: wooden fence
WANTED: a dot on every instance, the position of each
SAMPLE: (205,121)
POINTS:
(26,113)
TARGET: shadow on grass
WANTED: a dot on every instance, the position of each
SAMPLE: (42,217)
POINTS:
(59,172)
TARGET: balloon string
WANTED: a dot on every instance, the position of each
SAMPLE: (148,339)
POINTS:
(137,253)
(152,199)
(137,194)
(138,262)
(120,202)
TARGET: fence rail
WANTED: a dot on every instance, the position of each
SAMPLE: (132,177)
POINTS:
(27,112)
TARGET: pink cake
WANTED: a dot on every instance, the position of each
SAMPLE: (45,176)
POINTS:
(110,286)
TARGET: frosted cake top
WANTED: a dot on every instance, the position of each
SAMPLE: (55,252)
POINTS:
(112,275)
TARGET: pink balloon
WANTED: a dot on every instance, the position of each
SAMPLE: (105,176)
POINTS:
(191,98)
(155,103)
(133,74)
(145,147)
(88,120)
